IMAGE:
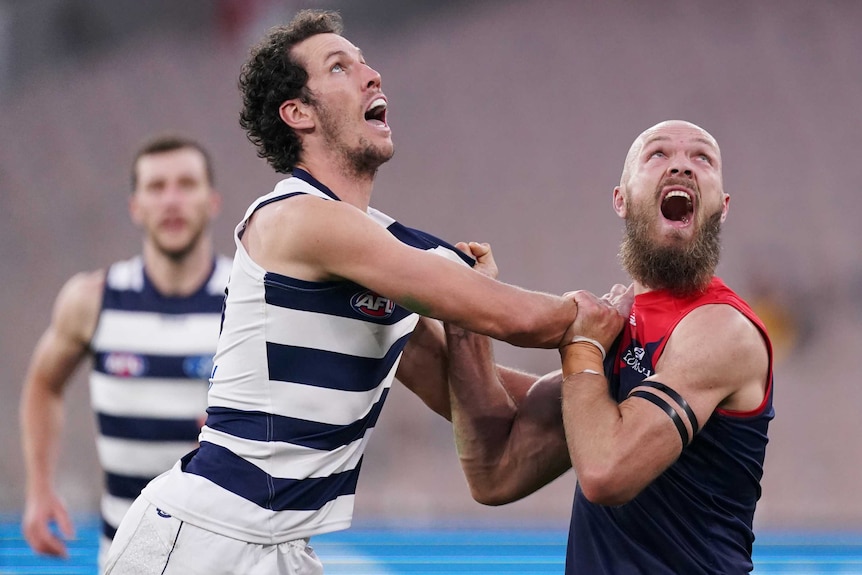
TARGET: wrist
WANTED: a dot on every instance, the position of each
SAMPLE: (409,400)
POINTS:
(588,372)
(584,339)
(581,355)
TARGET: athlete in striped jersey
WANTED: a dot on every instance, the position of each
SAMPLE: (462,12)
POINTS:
(322,313)
(668,433)
(150,325)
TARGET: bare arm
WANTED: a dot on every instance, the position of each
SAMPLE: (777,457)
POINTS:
(319,240)
(424,364)
(714,358)
(507,424)
(58,353)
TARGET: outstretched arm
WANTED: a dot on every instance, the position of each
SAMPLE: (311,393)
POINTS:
(319,240)
(57,355)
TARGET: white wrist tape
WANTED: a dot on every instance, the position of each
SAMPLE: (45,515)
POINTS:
(578,338)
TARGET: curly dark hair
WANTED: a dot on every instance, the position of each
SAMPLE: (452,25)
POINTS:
(270,77)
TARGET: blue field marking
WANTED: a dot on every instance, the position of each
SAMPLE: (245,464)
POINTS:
(17,558)
(451,551)
(388,550)
(808,553)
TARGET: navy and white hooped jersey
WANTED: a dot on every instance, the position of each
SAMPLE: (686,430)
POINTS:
(301,374)
(152,356)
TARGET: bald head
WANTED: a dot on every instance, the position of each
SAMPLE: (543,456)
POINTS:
(667,130)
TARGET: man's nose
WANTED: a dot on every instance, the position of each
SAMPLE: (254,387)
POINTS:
(373,80)
(172,195)
(680,168)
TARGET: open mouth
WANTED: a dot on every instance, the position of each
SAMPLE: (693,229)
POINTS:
(376,112)
(677,206)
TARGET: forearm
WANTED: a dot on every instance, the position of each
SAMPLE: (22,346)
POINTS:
(593,423)
(591,420)
(507,424)
(482,410)
(42,421)
(541,320)
(485,306)
(522,318)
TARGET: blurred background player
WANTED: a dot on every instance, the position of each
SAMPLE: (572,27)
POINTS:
(150,325)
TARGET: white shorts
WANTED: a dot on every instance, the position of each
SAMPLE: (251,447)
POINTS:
(149,541)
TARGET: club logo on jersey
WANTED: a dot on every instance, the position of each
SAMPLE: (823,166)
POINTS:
(373,305)
(123,364)
(198,366)
(634,358)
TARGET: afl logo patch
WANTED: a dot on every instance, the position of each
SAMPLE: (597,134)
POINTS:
(370,304)
(125,364)
(198,366)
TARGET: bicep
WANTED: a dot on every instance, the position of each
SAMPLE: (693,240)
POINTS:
(66,340)
(713,355)
(424,364)
(318,240)
(519,384)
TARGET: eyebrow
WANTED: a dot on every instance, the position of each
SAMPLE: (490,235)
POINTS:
(700,139)
(341,52)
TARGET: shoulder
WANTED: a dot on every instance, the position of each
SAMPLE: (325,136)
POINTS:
(76,309)
(721,326)
(84,288)
(721,348)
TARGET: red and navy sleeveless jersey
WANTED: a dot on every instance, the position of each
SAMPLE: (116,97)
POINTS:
(696,517)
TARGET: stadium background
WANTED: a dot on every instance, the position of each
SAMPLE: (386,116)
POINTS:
(511,120)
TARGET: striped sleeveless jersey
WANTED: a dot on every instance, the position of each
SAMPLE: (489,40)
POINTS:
(301,374)
(152,355)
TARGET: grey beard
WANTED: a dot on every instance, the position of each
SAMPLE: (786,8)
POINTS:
(681,270)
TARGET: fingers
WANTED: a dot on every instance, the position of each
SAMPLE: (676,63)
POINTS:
(625,300)
(64,523)
(481,252)
(43,541)
(480,249)
(616,291)
(475,249)
(37,526)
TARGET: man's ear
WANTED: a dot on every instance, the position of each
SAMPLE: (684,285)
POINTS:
(619,202)
(725,206)
(135,211)
(296,114)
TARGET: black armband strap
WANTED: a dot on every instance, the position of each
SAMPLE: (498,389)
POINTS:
(665,406)
(692,419)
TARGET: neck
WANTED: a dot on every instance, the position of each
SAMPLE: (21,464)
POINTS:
(641,288)
(179,276)
(350,187)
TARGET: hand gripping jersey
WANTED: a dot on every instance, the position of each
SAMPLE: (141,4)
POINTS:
(152,358)
(301,374)
(696,517)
